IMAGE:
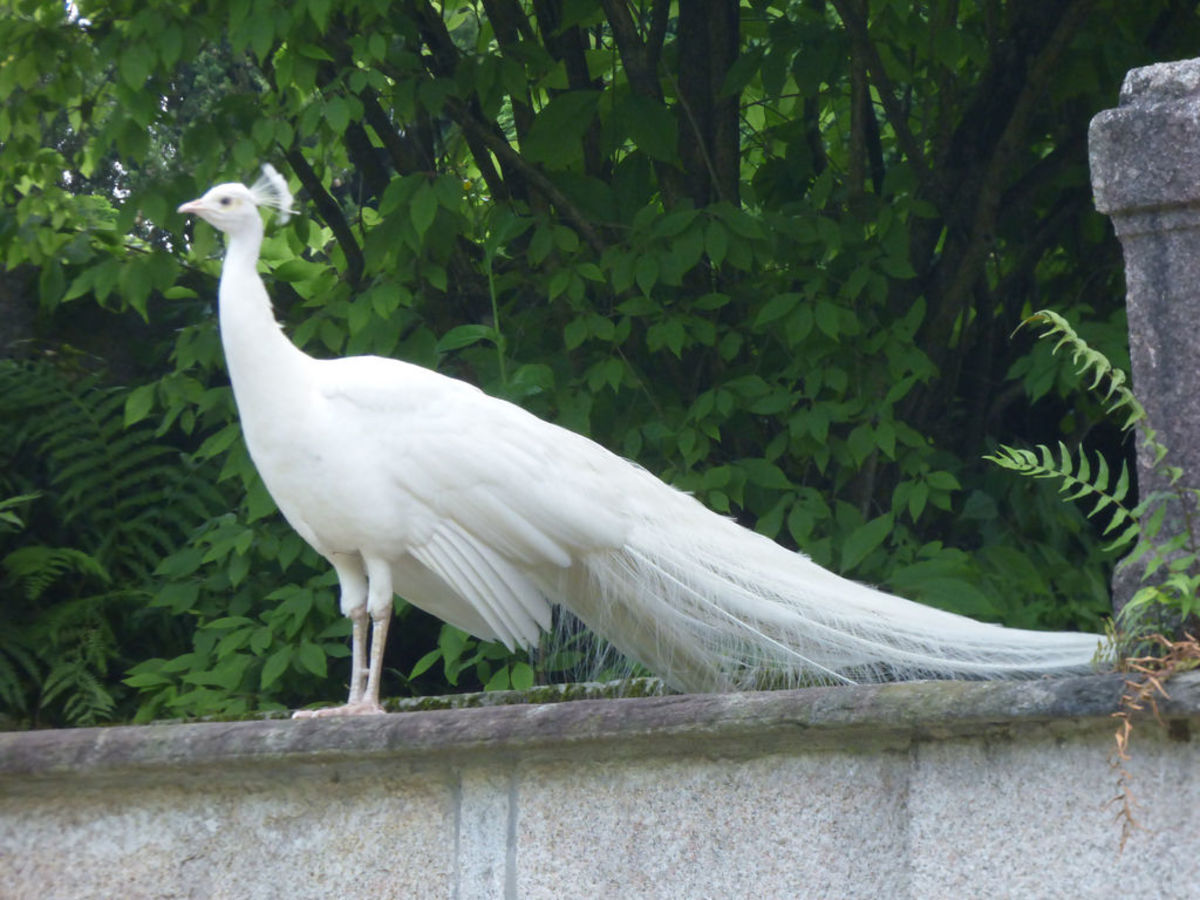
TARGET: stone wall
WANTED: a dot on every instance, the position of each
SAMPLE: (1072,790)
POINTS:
(944,789)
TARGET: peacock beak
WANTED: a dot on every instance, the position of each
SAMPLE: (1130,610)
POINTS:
(192,207)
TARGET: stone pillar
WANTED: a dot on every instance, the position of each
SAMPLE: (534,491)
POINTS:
(1145,161)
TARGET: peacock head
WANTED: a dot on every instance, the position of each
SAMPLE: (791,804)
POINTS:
(233,207)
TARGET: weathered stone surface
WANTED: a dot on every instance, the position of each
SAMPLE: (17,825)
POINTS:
(887,714)
(800,824)
(1145,156)
(940,789)
(1145,152)
(375,836)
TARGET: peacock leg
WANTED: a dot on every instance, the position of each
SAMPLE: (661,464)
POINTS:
(358,655)
(361,598)
(379,632)
(379,605)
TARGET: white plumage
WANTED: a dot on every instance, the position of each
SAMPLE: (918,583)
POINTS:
(484,515)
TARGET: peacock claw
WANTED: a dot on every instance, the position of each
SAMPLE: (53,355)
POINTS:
(361,708)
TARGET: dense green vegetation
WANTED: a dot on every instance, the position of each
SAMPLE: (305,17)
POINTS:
(774,251)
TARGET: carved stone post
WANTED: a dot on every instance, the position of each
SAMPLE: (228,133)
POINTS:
(1145,161)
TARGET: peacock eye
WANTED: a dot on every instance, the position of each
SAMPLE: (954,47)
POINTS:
(225,201)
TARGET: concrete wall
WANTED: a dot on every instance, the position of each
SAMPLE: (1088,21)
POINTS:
(917,790)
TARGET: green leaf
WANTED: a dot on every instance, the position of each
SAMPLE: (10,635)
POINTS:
(259,504)
(260,640)
(170,45)
(575,333)
(555,136)
(651,126)
(565,239)
(828,319)
(943,481)
(864,539)
(799,325)
(743,69)
(500,681)
(646,273)
(712,301)
(436,275)
(856,282)
(80,285)
(861,443)
(139,403)
(918,496)
(464,336)
(147,679)
(218,443)
(52,283)
(337,114)
(262,34)
(275,666)
(765,474)
(669,333)
(319,11)
(423,209)
(522,676)
(776,308)
(540,245)
(135,63)
(425,663)
(233,641)
(955,594)
(294,270)
(312,658)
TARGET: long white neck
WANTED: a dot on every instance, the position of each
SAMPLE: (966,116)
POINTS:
(264,366)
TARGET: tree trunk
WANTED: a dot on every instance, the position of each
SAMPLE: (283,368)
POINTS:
(708,118)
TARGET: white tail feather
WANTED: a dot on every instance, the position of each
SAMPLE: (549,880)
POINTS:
(708,605)
(271,190)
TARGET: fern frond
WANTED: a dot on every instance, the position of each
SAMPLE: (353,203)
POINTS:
(112,503)
(86,701)
(1108,382)
(10,519)
(36,568)
(18,669)
(1078,481)
(109,484)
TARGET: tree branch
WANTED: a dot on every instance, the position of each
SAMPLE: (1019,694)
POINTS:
(511,25)
(660,17)
(569,47)
(444,60)
(483,137)
(856,27)
(537,179)
(856,168)
(331,212)
(969,187)
(564,44)
(1009,144)
(366,159)
(640,65)
(405,159)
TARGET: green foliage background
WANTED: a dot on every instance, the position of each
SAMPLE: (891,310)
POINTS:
(774,251)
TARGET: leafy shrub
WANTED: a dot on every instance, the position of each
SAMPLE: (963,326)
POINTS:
(778,270)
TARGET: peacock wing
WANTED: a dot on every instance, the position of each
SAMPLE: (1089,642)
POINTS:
(494,498)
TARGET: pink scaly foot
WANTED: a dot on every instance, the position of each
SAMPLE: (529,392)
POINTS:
(361,708)
(364,698)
